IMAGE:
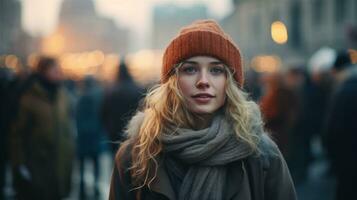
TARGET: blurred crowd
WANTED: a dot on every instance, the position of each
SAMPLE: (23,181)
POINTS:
(305,105)
(48,122)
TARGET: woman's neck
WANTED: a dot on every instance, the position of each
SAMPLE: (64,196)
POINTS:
(202,121)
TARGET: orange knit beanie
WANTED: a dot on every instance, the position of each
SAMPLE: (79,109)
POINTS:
(203,38)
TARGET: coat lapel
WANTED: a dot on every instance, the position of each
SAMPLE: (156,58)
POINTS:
(235,180)
(162,183)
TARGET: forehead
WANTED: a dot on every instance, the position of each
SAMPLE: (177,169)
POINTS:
(203,60)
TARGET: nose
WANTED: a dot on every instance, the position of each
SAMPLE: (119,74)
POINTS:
(202,81)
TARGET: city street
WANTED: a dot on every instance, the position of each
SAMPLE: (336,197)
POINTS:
(319,185)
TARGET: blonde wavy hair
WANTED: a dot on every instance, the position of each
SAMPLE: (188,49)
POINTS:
(164,105)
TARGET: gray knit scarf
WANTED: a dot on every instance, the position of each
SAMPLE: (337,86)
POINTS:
(197,159)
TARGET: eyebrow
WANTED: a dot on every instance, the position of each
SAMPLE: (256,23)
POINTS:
(194,62)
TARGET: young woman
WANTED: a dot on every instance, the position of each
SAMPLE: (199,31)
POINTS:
(197,136)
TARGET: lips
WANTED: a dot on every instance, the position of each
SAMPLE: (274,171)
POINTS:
(202,95)
(202,98)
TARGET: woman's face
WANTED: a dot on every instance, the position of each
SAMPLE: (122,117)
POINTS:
(202,81)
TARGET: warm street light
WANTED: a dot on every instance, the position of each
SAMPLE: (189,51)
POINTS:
(266,63)
(279,32)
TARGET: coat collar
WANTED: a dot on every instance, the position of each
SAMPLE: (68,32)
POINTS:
(162,183)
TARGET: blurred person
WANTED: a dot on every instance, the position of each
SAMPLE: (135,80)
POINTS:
(296,79)
(6,76)
(120,103)
(339,73)
(72,94)
(197,136)
(317,91)
(89,129)
(41,140)
(279,105)
(12,86)
(253,85)
(339,68)
(307,133)
(341,128)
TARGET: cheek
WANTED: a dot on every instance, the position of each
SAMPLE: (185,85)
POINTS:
(221,91)
(185,86)
(223,96)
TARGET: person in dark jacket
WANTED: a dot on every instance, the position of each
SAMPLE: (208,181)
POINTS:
(6,77)
(197,135)
(119,104)
(42,137)
(341,132)
(89,129)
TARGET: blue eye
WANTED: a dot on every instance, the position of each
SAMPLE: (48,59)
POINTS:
(217,70)
(189,69)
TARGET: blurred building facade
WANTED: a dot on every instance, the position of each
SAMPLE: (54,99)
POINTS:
(82,29)
(13,39)
(310,25)
(169,18)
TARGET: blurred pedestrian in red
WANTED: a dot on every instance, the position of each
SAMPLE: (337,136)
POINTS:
(279,106)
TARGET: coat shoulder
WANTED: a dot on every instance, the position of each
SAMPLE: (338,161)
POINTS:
(123,158)
(267,147)
(121,184)
(275,172)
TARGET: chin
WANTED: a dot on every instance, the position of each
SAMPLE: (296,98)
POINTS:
(204,111)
